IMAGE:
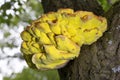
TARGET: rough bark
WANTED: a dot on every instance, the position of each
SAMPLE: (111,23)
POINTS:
(101,60)
(89,5)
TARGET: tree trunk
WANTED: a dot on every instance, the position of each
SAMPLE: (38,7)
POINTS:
(101,60)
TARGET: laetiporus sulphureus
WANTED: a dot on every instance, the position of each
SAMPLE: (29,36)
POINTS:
(56,37)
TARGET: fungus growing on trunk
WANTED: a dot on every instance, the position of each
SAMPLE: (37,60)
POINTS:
(56,37)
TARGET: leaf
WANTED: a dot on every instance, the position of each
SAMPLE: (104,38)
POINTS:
(7,34)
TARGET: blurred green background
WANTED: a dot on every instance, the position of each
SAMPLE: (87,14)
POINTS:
(14,16)
(30,74)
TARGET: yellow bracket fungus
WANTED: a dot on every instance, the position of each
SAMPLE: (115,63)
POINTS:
(56,37)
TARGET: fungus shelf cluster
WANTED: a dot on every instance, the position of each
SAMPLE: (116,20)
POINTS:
(56,37)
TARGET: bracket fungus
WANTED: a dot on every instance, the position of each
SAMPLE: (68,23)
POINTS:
(56,37)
